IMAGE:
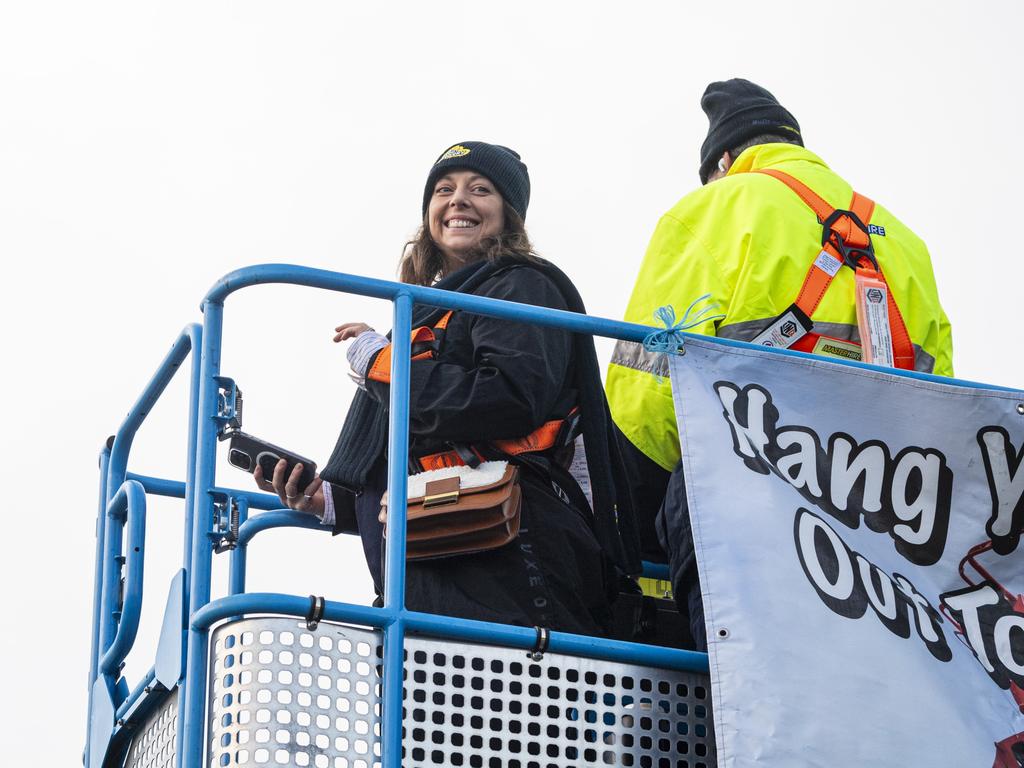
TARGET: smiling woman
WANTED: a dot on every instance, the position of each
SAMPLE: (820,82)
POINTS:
(471,211)
(488,390)
(464,209)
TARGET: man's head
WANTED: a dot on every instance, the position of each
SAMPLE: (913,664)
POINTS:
(740,115)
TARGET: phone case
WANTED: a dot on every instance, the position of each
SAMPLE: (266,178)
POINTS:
(245,451)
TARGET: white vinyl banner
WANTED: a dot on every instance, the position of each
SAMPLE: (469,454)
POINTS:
(857,538)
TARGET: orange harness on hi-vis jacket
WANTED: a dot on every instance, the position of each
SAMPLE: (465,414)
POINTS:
(845,240)
(425,344)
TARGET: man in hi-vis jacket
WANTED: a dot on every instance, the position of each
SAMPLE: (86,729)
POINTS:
(751,237)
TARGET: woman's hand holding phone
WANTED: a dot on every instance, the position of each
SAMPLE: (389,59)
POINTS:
(310,499)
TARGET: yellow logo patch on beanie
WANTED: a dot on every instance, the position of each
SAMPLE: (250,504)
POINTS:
(457,151)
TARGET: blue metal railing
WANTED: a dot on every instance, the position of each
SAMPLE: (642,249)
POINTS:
(122,497)
(109,619)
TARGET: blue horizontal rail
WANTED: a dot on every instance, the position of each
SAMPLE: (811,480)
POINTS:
(281,518)
(289,274)
(176,489)
(656,571)
(452,628)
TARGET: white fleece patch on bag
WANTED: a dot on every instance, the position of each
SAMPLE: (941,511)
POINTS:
(488,472)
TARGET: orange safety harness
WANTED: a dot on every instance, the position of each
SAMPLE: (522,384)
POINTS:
(845,241)
(426,342)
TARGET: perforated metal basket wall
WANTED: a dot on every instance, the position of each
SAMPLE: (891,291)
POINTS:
(154,743)
(280,695)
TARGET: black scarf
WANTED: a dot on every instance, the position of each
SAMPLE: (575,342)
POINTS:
(363,437)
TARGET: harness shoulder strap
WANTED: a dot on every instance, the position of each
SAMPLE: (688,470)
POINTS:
(829,260)
(813,200)
(863,206)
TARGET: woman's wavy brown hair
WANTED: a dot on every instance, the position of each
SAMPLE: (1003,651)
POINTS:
(423,263)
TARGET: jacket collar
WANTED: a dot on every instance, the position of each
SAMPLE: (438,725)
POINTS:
(769,155)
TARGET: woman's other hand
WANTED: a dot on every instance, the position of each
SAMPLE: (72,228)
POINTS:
(362,351)
(347,331)
(310,499)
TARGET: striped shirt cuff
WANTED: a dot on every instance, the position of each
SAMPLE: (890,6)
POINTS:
(362,351)
(327,519)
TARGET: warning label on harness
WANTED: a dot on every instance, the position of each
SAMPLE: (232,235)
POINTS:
(785,331)
(873,320)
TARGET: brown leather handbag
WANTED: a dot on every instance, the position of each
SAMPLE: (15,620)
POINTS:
(461,510)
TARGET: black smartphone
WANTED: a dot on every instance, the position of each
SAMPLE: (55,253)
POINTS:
(247,452)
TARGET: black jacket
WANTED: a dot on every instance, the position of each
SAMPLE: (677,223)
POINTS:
(494,379)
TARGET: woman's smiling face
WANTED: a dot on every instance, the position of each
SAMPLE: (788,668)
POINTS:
(465,208)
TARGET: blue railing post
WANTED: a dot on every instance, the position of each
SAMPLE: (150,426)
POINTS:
(127,508)
(195,332)
(97,591)
(97,600)
(192,704)
(111,579)
(394,564)
(236,579)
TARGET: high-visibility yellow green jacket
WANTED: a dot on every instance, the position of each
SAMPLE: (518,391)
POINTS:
(748,240)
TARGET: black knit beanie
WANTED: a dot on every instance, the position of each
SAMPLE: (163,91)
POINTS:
(499,164)
(738,110)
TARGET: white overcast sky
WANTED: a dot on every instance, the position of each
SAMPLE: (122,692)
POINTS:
(148,148)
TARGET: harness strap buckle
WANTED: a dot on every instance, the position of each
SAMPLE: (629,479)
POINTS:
(852,254)
(467,454)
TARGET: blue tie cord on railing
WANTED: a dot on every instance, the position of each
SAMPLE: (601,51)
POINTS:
(670,338)
(200,486)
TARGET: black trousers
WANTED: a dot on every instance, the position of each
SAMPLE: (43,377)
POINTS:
(676,537)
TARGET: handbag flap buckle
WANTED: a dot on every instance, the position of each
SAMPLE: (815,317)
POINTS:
(441,492)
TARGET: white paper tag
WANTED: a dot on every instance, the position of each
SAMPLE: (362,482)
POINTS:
(580,471)
(873,319)
(828,263)
(785,331)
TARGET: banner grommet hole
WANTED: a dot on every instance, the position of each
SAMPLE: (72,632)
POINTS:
(723,633)
(1020,408)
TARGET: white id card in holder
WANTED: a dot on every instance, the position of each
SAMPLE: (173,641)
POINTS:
(873,319)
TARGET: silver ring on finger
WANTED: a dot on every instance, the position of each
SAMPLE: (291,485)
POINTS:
(290,497)
(307,497)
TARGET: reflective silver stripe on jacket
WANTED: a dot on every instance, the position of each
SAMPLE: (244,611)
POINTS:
(633,355)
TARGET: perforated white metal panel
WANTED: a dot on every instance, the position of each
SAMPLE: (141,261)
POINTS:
(154,743)
(280,695)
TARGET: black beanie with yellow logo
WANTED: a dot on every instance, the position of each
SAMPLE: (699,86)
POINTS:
(499,164)
(739,110)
